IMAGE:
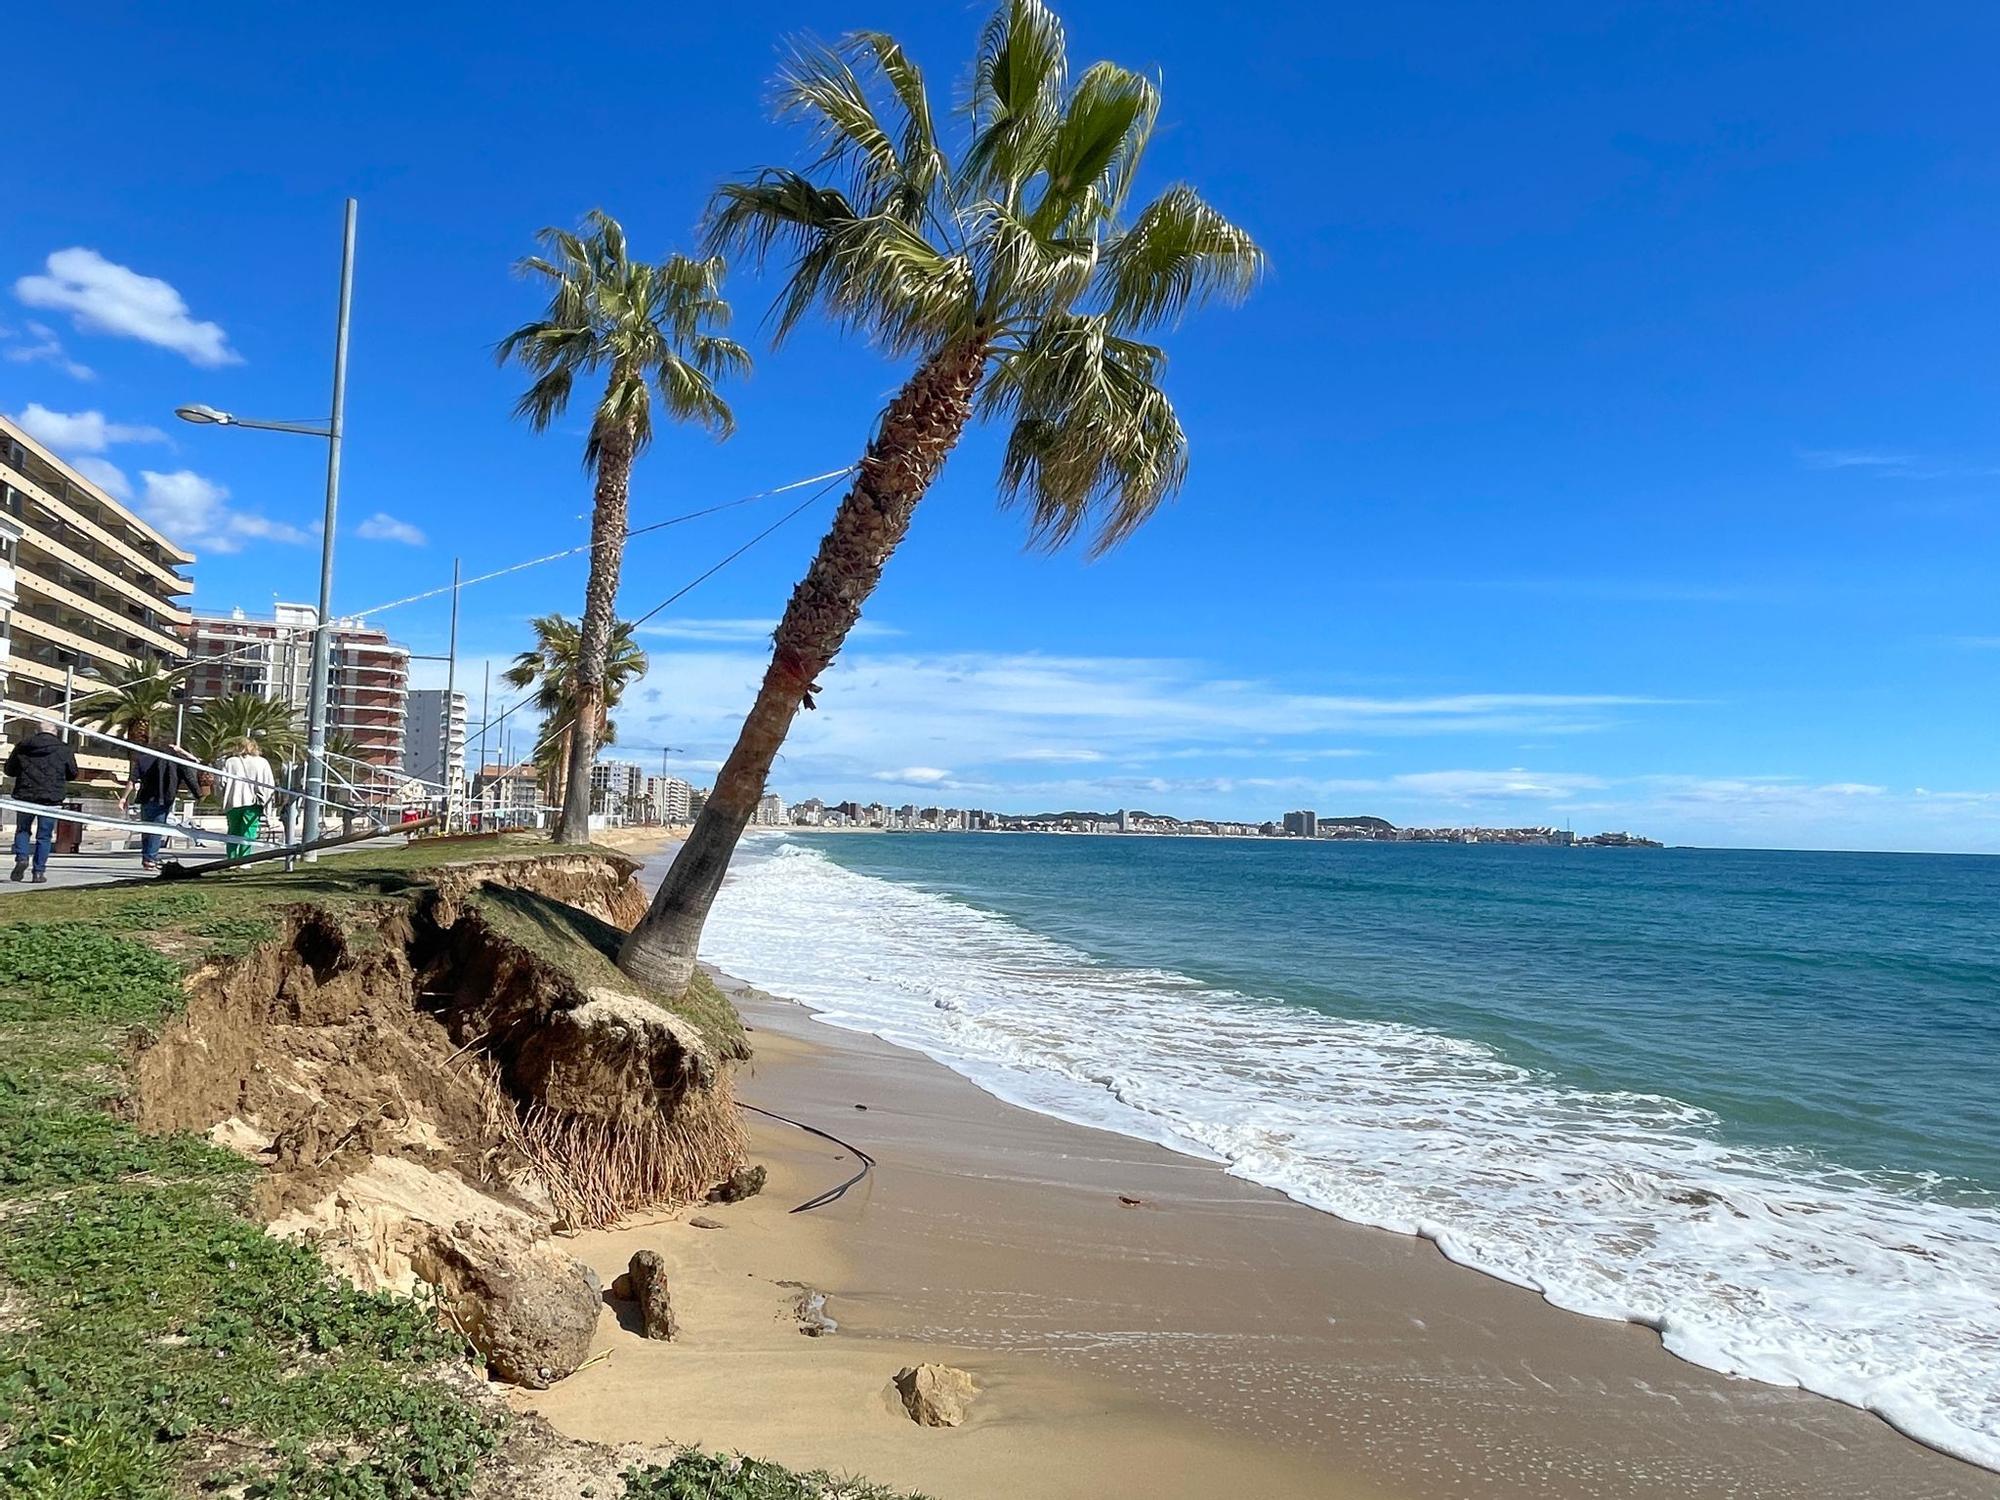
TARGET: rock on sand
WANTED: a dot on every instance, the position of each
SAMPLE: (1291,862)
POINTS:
(527,1307)
(647,1275)
(935,1395)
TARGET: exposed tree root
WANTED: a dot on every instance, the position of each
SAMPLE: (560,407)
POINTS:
(596,1171)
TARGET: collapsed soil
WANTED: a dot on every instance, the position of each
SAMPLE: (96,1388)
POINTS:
(441,1027)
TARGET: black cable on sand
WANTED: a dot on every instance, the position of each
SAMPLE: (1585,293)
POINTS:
(832,1193)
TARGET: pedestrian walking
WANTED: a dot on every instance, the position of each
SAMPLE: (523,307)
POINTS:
(247,786)
(42,767)
(157,782)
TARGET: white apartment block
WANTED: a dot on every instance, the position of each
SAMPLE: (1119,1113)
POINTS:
(507,796)
(616,787)
(434,735)
(671,799)
(96,591)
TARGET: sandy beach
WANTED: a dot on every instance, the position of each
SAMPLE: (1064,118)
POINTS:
(1139,1322)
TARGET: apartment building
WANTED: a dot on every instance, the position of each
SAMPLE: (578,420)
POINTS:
(96,591)
(616,787)
(671,799)
(10,547)
(434,734)
(368,675)
(507,796)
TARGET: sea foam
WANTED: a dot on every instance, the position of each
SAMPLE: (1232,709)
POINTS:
(1776,1266)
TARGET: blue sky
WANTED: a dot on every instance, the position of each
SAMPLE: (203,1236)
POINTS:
(1613,442)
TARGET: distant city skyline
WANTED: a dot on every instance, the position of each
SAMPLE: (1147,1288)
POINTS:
(815,812)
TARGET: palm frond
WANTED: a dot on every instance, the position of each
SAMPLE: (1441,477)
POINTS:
(216,725)
(689,395)
(546,399)
(924,168)
(715,356)
(1178,253)
(1024,269)
(1096,445)
(1093,153)
(872,272)
(820,86)
(1018,81)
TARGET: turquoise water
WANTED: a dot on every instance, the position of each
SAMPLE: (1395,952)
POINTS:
(1843,1003)
(1745,1098)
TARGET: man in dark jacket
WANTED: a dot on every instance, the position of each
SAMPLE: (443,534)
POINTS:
(159,783)
(42,767)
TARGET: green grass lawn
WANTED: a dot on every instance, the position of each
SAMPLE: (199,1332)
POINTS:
(154,1341)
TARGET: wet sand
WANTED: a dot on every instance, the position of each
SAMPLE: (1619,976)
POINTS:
(1210,1336)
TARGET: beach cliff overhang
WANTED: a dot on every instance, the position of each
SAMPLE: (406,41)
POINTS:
(467,1018)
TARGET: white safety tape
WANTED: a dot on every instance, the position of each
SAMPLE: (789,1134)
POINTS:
(193,831)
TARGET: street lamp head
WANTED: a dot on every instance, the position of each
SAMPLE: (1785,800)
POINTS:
(206,415)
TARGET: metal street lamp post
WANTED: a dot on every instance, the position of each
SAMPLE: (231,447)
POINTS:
(331,430)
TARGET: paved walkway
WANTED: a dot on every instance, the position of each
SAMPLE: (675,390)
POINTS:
(102,866)
(92,867)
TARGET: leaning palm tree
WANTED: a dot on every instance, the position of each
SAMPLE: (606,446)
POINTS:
(650,329)
(551,670)
(1019,281)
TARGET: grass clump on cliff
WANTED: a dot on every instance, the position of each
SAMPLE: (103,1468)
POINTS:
(586,948)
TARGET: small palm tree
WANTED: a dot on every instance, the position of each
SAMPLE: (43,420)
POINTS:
(1023,284)
(651,330)
(121,707)
(551,670)
(216,725)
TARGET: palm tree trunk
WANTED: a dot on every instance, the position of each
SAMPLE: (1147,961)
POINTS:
(917,433)
(608,520)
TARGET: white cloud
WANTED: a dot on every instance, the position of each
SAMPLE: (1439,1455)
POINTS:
(711,630)
(46,348)
(1641,590)
(383,527)
(879,706)
(104,297)
(1026,733)
(1977,642)
(1854,458)
(194,512)
(914,776)
(1462,787)
(106,475)
(1892,465)
(1054,755)
(81,431)
(1085,730)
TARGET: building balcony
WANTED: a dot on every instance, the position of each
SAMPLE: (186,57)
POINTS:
(83,525)
(36,540)
(112,618)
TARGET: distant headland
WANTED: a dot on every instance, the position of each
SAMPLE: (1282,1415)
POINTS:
(911,818)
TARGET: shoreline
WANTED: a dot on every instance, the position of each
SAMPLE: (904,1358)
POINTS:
(1249,1334)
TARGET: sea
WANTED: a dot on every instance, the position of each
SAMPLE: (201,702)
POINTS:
(1748,1099)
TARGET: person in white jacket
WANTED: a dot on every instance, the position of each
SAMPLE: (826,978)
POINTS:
(247,783)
